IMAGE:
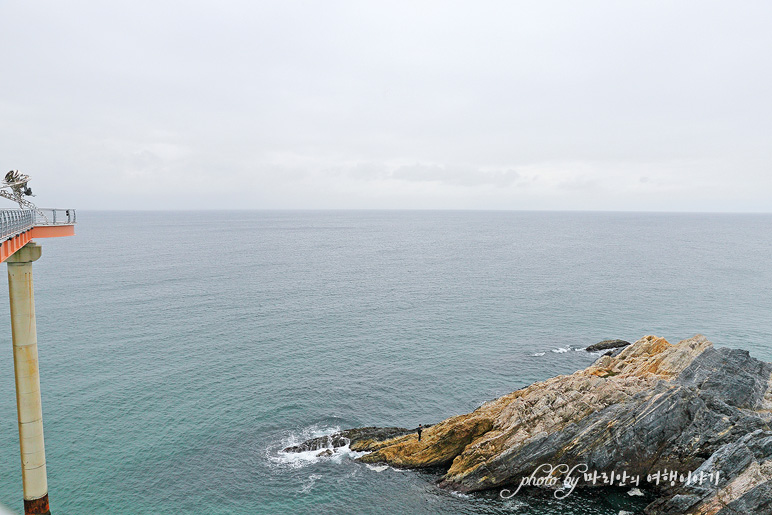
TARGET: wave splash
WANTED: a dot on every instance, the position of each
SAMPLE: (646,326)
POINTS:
(302,459)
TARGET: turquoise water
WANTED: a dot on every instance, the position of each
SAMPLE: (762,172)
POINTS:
(181,351)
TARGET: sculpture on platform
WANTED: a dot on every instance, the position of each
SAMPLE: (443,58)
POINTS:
(14,187)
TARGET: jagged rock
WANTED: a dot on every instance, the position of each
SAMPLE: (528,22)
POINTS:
(651,407)
(607,344)
(359,439)
(743,468)
(757,501)
(325,453)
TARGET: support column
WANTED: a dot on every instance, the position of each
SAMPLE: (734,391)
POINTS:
(25,361)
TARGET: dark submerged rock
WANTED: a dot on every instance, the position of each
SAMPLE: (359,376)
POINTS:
(607,344)
(353,437)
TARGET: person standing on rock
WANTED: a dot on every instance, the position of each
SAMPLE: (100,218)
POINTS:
(419,430)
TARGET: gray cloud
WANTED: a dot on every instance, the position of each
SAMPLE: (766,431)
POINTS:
(455,175)
(400,104)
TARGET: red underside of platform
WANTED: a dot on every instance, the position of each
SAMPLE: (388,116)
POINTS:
(11,245)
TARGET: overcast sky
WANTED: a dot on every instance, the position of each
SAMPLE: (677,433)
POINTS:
(590,105)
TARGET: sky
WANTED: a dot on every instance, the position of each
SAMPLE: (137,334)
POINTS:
(505,105)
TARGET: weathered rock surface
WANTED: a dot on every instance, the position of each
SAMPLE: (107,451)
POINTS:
(607,344)
(653,406)
(359,439)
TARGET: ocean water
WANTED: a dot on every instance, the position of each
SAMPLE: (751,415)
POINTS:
(181,351)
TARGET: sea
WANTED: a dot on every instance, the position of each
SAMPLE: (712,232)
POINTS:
(180,352)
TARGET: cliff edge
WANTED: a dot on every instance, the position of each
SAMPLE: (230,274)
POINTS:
(688,407)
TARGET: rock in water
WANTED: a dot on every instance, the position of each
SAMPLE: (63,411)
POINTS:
(653,406)
(606,345)
(360,439)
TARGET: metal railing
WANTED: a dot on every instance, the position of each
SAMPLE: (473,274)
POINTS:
(54,216)
(16,221)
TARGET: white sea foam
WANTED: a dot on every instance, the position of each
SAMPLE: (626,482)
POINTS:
(305,458)
(314,431)
(308,485)
(635,491)
(377,468)
(537,354)
(298,459)
(514,504)
(568,348)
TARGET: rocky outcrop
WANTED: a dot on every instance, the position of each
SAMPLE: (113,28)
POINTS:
(359,439)
(606,345)
(744,469)
(653,406)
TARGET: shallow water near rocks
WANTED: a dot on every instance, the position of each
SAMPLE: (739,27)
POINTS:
(181,352)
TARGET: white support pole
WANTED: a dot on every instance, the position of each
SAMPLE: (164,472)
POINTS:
(25,360)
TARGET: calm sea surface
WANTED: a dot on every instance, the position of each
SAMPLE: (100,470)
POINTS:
(180,352)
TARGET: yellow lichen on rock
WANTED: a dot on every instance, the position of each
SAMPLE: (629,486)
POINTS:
(438,446)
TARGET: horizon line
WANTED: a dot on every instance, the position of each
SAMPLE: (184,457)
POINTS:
(437,210)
